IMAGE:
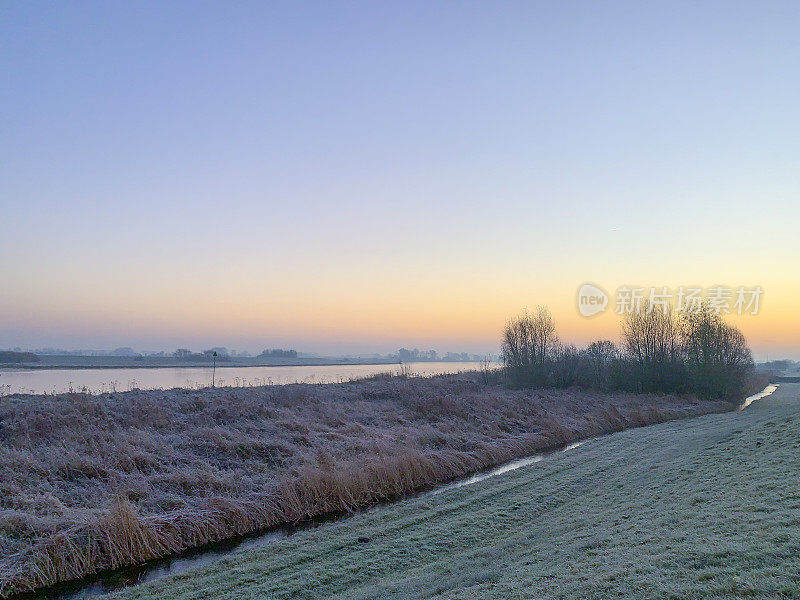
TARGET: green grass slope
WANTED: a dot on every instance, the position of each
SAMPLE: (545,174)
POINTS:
(701,508)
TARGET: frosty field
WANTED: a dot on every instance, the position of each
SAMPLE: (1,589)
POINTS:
(707,507)
(93,483)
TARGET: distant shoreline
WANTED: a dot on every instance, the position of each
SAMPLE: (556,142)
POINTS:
(55,363)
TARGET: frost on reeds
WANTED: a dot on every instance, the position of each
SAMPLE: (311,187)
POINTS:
(100,482)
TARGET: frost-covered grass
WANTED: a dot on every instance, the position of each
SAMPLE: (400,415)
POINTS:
(99,482)
(700,508)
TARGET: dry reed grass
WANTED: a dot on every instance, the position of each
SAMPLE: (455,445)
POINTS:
(100,482)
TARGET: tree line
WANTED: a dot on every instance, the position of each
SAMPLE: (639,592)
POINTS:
(14,357)
(661,350)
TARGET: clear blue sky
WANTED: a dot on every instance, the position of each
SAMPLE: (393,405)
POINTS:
(357,176)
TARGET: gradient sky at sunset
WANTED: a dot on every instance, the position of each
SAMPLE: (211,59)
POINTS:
(358,176)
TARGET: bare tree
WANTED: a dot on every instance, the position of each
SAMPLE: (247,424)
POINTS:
(568,368)
(530,343)
(716,355)
(600,357)
(651,339)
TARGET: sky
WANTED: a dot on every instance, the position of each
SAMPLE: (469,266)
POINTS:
(346,177)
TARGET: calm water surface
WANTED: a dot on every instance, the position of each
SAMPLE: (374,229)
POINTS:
(21,381)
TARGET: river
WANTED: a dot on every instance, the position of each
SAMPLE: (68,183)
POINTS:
(53,381)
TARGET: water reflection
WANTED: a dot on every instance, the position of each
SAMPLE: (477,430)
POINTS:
(509,466)
(762,394)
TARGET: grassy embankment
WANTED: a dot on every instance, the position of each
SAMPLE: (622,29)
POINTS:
(700,508)
(98,482)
